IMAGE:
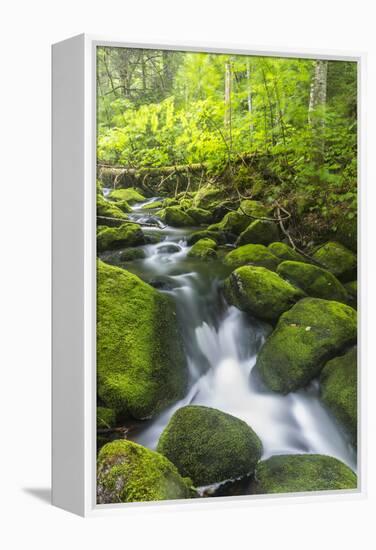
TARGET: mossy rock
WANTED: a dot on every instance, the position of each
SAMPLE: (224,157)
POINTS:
(337,259)
(130,195)
(285,252)
(128,234)
(218,236)
(152,205)
(233,222)
(253,254)
(128,472)
(130,254)
(200,216)
(338,386)
(106,209)
(315,281)
(306,336)
(123,205)
(260,292)
(208,197)
(175,216)
(300,473)
(253,208)
(185,203)
(106,418)
(141,366)
(209,446)
(352,288)
(204,249)
(259,232)
(170,202)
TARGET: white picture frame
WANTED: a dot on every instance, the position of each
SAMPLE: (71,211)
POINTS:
(74,277)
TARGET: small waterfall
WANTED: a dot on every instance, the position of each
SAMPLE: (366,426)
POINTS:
(222,344)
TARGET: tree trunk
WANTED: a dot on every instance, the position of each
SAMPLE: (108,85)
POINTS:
(318,87)
(228,114)
(249,96)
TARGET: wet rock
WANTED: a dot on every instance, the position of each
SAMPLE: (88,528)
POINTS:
(260,292)
(176,217)
(127,472)
(252,254)
(337,259)
(304,472)
(130,254)
(285,252)
(208,445)
(141,366)
(168,249)
(128,234)
(204,249)
(315,281)
(306,336)
(338,386)
(200,216)
(259,232)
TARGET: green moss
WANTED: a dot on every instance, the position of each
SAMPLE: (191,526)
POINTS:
(108,209)
(170,202)
(106,417)
(173,215)
(130,195)
(127,472)
(128,234)
(141,366)
(337,259)
(200,216)
(152,205)
(203,249)
(209,445)
(260,292)
(315,281)
(130,254)
(259,232)
(285,252)
(306,336)
(233,222)
(352,288)
(208,197)
(253,208)
(123,205)
(217,236)
(297,473)
(338,385)
(254,254)
(185,203)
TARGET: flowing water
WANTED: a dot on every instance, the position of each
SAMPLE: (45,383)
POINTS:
(221,344)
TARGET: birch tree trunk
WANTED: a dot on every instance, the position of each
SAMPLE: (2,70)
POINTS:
(249,96)
(228,107)
(318,87)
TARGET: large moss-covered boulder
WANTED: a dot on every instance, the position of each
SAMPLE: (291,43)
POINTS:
(338,386)
(175,216)
(208,197)
(285,252)
(204,249)
(337,259)
(304,472)
(130,195)
(127,472)
(252,254)
(208,445)
(200,216)
(233,222)
(106,417)
(258,232)
(253,208)
(217,236)
(315,281)
(260,292)
(128,234)
(140,358)
(306,336)
(108,213)
(153,205)
(130,254)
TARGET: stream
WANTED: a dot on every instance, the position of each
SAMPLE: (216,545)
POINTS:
(221,345)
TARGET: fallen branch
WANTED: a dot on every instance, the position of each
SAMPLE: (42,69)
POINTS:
(122,220)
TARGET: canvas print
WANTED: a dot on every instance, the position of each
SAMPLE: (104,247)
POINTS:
(226,275)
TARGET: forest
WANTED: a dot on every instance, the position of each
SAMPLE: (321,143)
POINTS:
(227,267)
